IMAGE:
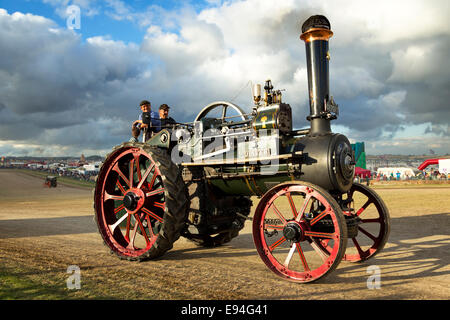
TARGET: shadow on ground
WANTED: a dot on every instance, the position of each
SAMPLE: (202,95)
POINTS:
(418,247)
(37,227)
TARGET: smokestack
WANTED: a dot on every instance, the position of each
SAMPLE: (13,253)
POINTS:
(315,32)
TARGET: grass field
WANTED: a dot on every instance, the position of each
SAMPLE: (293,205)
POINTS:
(45,230)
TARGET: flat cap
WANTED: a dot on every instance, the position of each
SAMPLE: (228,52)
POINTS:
(164,106)
(144,102)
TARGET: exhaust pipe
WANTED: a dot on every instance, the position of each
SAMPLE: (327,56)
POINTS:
(316,31)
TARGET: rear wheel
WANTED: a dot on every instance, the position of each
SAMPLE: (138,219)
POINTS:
(229,217)
(140,202)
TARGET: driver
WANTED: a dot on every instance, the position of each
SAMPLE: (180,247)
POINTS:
(166,121)
(139,125)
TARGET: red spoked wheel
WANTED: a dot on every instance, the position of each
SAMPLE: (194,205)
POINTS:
(368,223)
(373,226)
(140,202)
(289,221)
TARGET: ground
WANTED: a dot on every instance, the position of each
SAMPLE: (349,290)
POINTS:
(43,231)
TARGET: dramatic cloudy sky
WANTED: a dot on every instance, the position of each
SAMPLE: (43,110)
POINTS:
(71,91)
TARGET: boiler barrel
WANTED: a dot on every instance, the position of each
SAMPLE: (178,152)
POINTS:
(327,162)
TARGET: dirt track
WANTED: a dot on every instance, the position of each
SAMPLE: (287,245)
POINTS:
(43,231)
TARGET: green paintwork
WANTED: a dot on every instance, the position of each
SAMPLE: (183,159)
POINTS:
(161,139)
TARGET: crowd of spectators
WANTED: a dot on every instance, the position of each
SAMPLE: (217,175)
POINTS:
(63,172)
(432,175)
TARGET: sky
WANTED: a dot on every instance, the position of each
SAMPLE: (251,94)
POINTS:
(71,84)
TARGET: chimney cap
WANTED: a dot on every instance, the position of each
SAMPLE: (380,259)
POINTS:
(317,21)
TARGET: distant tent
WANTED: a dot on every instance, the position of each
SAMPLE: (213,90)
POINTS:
(360,154)
(362,173)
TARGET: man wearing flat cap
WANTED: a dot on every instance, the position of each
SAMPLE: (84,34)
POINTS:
(166,121)
(150,125)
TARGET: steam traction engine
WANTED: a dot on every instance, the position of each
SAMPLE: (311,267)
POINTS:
(196,179)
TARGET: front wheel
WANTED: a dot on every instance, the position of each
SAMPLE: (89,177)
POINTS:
(140,202)
(374,223)
(289,221)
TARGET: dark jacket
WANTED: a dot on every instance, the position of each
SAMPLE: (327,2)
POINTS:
(167,122)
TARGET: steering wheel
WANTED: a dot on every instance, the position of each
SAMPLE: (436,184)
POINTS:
(224,105)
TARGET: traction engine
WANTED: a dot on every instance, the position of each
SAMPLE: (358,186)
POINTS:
(196,180)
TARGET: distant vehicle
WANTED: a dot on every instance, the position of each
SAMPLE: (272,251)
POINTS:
(50,181)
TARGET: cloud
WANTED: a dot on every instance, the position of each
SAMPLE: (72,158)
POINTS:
(54,82)
(388,68)
(89,8)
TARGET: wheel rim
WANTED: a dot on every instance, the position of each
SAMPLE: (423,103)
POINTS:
(373,224)
(373,228)
(286,228)
(130,202)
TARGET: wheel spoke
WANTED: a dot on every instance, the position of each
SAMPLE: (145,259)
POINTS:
(368,234)
(138,169)
(120,187)
(127,231)
(131,173)
(153,215)
(142,228)
(277,243)
(149,224)
(319,234)
(364,207)
(291,203)
(270,226)
(150,185)
(302,210)
(319,217)
(133,237)
(320,252)
(154,192)
(159,205)
(145,176)
(289,256)
(117,169)
(362,254)
(112,227)
(112,197)
(302,256)
(278,213)
(118,209)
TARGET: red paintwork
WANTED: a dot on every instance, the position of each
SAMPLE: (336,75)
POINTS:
(272,254)
(117,182)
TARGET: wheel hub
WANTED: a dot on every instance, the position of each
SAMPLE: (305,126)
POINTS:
(134,200)
(130,201)
(293,231)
